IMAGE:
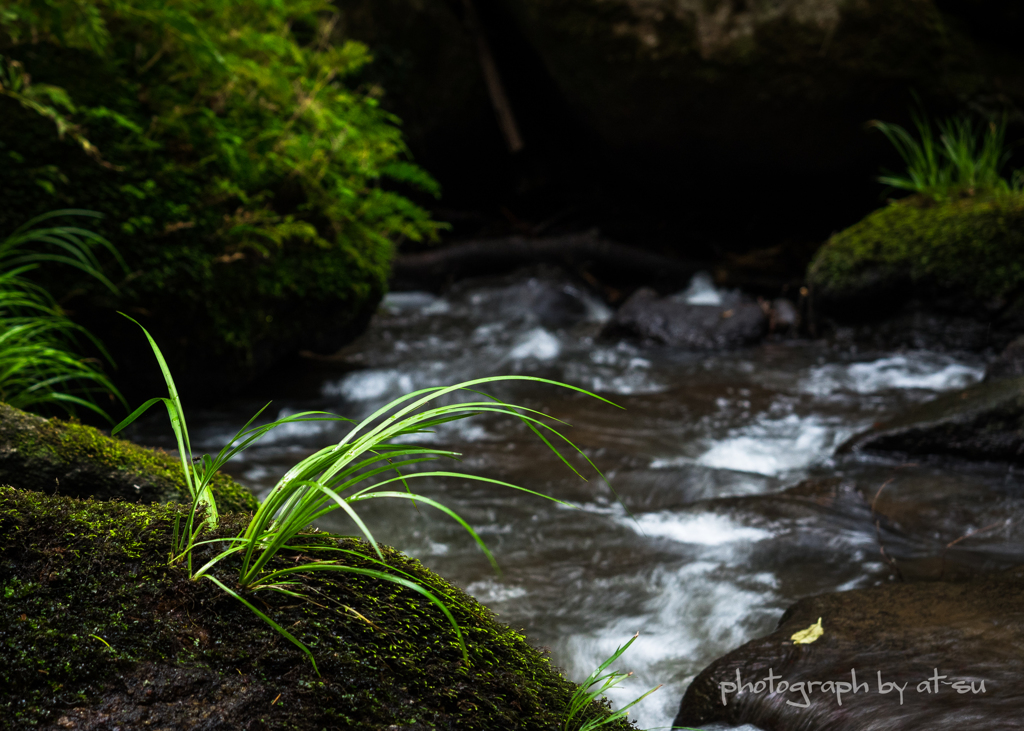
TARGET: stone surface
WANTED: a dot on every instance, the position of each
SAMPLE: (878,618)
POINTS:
(738,320)
(970,632)
(1009,364)
(984,422)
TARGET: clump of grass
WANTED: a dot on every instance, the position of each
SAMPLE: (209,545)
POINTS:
(338,477)
(40,367)
(964,159)
(594,687)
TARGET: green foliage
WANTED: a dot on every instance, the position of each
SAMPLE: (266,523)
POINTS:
(595,687)
(318,484)
(972,245)
(39,367)
(249,186)
(965,159)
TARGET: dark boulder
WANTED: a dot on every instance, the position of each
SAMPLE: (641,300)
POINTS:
(984,422)
(917,325)
(736,321)
(653,105)
(1009,364)
(969,634)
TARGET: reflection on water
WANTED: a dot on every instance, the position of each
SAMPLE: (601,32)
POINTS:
(696,578)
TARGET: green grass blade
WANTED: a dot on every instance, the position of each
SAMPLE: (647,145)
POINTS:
(444,509)
(128,420)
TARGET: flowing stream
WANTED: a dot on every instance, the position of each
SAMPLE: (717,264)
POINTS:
(696,578)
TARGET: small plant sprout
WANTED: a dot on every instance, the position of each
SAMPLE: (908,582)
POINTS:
(594,687)
(367,460)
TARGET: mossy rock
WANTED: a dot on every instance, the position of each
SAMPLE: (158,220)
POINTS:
(969,252)
(51,455)
(225,309)
(99,632)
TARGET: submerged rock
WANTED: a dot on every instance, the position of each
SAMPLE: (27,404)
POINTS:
(968,634)
(984,422)
(98,632)
(734,320)
(68,458)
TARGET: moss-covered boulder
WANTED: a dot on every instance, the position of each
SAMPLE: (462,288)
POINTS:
(97,631)
(68,458)
(957,257)
(248,180)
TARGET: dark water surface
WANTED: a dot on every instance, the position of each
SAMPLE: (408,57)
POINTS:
(694,578)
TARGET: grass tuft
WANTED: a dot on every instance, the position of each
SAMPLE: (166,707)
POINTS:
(370,457)
(40,367)
(594,687)
(965,159)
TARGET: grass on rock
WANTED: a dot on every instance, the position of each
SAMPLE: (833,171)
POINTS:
(94,619)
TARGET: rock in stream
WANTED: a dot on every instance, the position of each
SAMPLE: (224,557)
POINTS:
(968,634)
(984,422)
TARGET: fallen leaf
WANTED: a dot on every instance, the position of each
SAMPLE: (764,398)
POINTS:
(809,635)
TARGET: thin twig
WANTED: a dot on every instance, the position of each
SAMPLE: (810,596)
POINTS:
(965,536)
(889,560)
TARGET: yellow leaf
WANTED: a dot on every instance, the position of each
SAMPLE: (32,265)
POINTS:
(809,635)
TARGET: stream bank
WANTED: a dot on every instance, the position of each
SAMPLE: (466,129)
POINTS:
(717,547)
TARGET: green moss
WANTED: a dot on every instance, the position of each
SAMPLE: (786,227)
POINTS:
(973,246)
(251,228)
(93,618)
(69,457)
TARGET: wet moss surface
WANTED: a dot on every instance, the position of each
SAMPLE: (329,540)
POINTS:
(972,247)
(98,632)
(54,455)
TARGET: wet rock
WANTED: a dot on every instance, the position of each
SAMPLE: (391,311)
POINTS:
(918,527)
(546,298)
(969,634)
(918,326)
(922,273)
(984,422)
(68,458)
(737,320)
(1009,364)
(783,317)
